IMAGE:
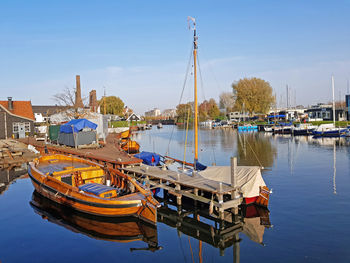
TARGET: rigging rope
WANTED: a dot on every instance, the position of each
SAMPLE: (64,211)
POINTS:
(253,152)
(202,87)
(182,92)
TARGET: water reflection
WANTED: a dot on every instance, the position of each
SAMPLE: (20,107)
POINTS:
(126,229)
(253,149)
(197,222)
(7,177)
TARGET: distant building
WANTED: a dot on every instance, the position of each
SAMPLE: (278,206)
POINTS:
(16,119)
(237,116)
(324,112)
(153,113)
(42,113)
(169,113)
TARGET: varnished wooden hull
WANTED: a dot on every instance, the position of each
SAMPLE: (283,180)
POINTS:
(130,146)
(136,204)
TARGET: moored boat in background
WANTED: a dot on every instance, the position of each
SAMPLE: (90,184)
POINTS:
(304,129)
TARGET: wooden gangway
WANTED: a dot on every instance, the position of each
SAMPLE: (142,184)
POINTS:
(219,195)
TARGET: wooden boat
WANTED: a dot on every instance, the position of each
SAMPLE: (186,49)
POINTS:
(121,229)
(127,144)
(84,186)
(130,146)
(125,134)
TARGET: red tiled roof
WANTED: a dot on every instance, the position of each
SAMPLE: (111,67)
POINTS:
(20,108)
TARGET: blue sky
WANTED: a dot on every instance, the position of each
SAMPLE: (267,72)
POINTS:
(138,50)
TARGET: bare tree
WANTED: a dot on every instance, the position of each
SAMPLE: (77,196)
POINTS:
(227,101)
(67,97)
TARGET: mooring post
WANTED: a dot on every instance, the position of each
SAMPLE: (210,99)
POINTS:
(234,176)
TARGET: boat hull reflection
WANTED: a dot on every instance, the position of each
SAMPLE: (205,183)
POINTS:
(123,229)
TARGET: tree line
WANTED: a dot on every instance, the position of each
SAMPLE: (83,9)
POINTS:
(251,95)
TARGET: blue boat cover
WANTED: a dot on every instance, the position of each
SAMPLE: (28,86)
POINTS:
(96,189)
(200,167)
(148,158)
(277,116)
(78,125)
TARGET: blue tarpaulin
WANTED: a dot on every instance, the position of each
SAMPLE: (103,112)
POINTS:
(148,158)
(200,167)
(277,116)
(78,125)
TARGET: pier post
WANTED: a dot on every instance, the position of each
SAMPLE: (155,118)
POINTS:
(234,182)
(233,171)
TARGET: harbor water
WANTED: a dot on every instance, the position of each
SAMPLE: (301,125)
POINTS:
(309,208)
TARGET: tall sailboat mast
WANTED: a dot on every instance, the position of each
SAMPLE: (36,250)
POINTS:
(195,47)
(333,100)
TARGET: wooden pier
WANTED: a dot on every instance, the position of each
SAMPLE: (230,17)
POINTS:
(14,153)
(218,195)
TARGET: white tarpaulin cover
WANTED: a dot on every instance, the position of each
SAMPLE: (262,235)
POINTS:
(248,178)
(253,229)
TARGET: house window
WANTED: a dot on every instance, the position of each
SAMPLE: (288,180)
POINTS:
(15,127)
(27,126)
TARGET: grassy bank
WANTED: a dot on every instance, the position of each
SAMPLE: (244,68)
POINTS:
(117,124)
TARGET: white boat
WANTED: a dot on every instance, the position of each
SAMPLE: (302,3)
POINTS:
(160,125)
(304,129)
(329,129)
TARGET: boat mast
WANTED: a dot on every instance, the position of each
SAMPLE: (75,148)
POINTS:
(195,46)
(333,100)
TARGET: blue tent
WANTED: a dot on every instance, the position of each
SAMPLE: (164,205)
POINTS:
(148,158)
(77,125)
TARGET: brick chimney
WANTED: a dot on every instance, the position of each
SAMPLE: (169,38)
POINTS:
(10,103)
(78,100)
(93,101)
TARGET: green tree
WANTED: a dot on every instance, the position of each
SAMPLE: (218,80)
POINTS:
(182,112)
(208,110)
(213,109)
(254,94)
(114,105)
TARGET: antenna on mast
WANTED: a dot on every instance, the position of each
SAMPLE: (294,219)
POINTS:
(189,19)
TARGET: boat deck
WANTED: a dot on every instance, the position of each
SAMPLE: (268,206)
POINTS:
(47,167)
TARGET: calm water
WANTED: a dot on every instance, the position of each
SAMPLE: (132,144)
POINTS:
(309,208)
